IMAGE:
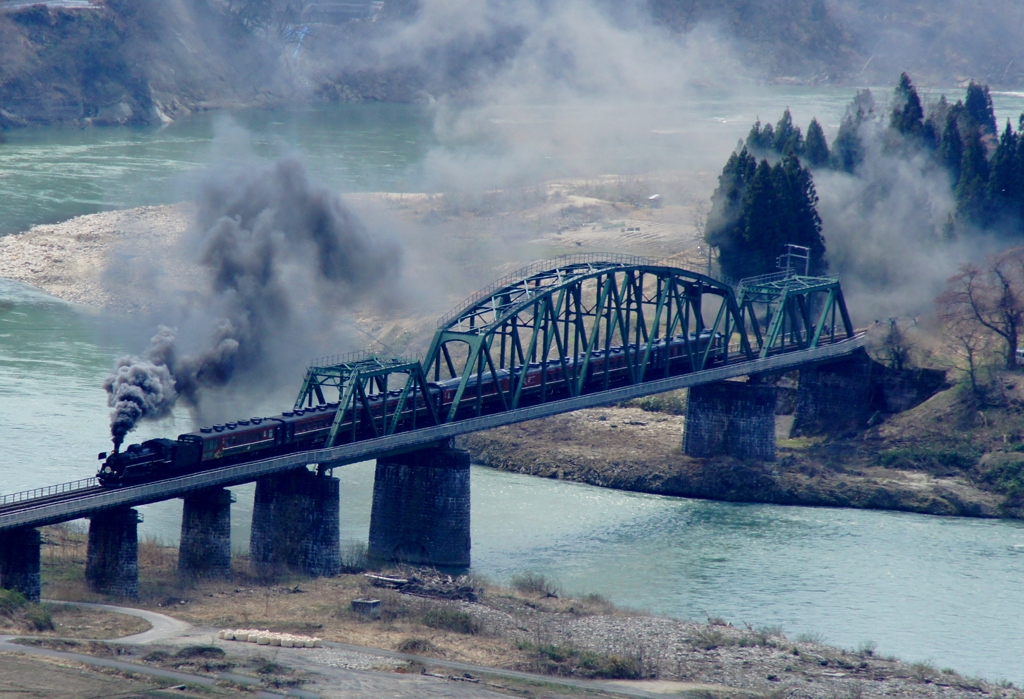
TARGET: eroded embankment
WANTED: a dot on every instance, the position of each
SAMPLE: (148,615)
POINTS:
(631,449)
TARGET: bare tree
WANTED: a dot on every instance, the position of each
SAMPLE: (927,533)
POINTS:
(990,296)
(970,345)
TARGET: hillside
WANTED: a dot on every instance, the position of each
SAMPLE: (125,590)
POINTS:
(145,61)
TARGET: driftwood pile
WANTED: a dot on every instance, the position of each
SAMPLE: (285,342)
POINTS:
(432,584)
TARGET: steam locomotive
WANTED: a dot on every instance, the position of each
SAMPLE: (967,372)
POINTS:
(303,430)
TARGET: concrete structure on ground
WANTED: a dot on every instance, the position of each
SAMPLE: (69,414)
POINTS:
(421,508)
(296,524)
(733,418)
(112,563)
(19,562)
(834,396)
(205,548)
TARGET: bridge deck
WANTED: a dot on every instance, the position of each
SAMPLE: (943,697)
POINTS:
(76,504)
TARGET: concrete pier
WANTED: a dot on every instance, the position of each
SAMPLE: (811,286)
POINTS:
(205,548)
(296,524)
(834,396)
(112,564)
(19,562)
(421,508)
(733,418)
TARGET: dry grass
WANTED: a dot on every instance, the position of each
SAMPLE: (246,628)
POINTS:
(321,607)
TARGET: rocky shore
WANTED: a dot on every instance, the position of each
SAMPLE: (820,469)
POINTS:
(72,260)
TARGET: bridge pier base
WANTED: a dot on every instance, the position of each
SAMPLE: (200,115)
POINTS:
(205,548)
(733,418)
(19,562)
(112,563)
(296,524)
(421,508)
(832,396)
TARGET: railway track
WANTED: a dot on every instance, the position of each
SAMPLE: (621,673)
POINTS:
(77,502)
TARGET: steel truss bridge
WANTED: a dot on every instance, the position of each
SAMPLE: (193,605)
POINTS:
(568,315)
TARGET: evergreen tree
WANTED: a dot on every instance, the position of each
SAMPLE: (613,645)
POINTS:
(760,141)
(847,149)
(907,114)
(788,139)
(978,106)
(816,147)
(762,215)
(724,224)
(972,188)
(801,224)
(951,148)
(1004,180)
(757,209)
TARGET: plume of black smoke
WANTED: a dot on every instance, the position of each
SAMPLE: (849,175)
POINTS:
(283,258)
(138,389)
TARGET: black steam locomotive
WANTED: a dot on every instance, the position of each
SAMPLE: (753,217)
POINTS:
(303,430)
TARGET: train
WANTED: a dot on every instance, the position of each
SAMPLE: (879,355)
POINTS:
(305,429)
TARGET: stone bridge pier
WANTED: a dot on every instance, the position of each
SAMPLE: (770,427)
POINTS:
(834,396)
(205,548)
(19,562)
(296,524)
(730,417)
(421,508)
(112,563)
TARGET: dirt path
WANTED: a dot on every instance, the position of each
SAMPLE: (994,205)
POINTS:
(332,662)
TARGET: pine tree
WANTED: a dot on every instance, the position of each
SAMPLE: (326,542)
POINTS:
(816,147)
(847,149)
(788,139)
(978,106)
(760,140)
(724,224)
(799,201)
(907,115)
(762,216)
(1004,180)
(951,148)
(972,187)
(757,209)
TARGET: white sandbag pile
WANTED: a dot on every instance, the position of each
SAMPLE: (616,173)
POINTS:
(269,638)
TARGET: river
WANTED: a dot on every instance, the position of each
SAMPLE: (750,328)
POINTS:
(922,588)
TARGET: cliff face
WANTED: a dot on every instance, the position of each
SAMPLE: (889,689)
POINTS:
(128,62)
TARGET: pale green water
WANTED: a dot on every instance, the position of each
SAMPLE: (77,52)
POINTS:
(921,587)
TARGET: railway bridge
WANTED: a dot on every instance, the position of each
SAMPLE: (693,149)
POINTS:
(557,336)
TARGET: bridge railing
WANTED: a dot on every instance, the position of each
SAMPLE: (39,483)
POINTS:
(58,489)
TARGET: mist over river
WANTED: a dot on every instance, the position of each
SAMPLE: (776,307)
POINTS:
(923,588)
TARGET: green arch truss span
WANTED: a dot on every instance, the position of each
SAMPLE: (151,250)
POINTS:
(565,312)
(554,330)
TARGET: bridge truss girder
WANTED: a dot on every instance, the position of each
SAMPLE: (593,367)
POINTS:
(794,311)
(357,379)
(569,312)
